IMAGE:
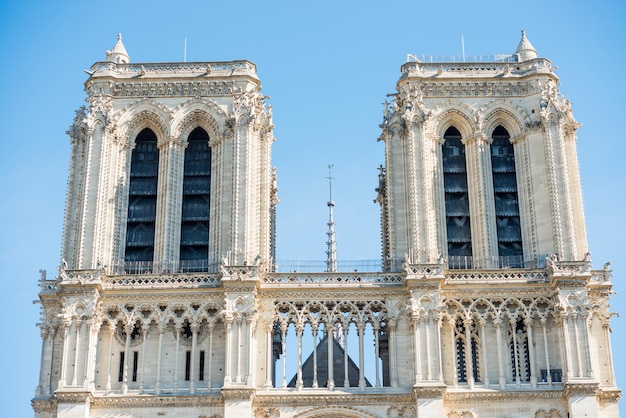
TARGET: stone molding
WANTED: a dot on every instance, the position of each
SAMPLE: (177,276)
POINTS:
(580,389)
(265,399)
(608,395)
(156,401)
(477,396)
(234,394)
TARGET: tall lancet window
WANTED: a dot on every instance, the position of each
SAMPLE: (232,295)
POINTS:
(142,197)
(194,228)
(458,229)
(505,196)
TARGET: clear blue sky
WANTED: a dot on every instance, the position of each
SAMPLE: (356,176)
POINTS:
(327,66)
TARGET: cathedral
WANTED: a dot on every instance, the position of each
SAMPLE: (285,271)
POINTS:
(169,300)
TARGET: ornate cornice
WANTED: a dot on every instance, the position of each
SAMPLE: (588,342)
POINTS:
(234,394)
(173,88)
(294,399)
(608,395)
(44,405)
(73,395)
(580,389)
(500,88)
(145,401)
(307,294)
(429,392)
(477,396)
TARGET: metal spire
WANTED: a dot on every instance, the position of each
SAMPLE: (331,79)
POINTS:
(331,252)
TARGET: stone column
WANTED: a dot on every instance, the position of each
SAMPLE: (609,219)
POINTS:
(566,344)
(44,331)
(314,330)
(360,330)
(531,351)
(129,330)
(177,329)
(331,371)
(501,377)
(110,356)
(192,366)
(93,328)
(416,347)
(585,321)
(392,326)
(211,326)
(455,375)
(469,363)
(228,354)
(299,382)
(483,340)
(157,385)
(78,323)
(482,209)
(144,331)
(65,326)
(268,356)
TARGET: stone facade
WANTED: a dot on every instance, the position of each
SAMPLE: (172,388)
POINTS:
(486,304)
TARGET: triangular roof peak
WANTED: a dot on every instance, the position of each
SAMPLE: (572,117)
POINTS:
(118,54)
(525,50)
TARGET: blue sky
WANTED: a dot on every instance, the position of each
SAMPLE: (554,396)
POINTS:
(327,67)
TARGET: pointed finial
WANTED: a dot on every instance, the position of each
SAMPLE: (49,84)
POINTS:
(525,50)
(118,54)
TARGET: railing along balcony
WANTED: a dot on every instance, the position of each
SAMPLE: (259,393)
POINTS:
(151,267)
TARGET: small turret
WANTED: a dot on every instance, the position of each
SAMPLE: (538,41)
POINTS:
(118,54)
(525,50)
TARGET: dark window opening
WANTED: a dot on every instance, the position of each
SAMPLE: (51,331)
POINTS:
(135,364)
(142,197)
(508,226)
(201,371)
(458,225)
(194,228)
(120,375)
(555,374)
(187,365)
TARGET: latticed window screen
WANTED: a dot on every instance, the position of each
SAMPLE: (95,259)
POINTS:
(142,196)
(458,229)
(505,195)
(194,230)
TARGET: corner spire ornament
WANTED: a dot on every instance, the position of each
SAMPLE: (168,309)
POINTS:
(118,54)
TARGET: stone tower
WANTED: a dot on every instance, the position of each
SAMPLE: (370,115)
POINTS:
(169,301)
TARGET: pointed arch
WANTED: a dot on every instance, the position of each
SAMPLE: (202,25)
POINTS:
(198,112)
(140,115)
(459,115)
(507,114)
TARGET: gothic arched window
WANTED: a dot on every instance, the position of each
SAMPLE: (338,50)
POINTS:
(464,363)
(458,228)
(518,350)
(142,198)
(505,196)
(194,228)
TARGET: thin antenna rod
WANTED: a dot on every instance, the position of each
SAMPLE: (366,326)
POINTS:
(331,252)
(185,52)
(463,47)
